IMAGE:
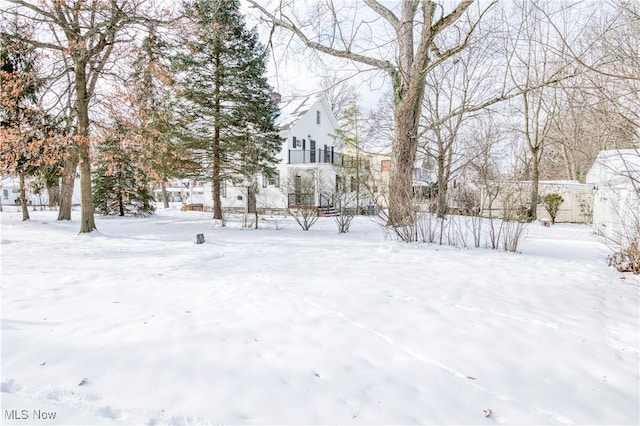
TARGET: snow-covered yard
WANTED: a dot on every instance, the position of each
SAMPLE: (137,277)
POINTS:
(136,324)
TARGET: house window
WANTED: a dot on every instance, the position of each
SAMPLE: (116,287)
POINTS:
(353,184)
(271,180)
(317,117)
(223,188)
(338,183)
(385,166)
(297,143)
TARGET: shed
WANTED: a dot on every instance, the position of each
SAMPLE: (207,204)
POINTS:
(615,176)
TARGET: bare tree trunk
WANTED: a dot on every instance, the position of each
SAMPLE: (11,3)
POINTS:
(401,178)
(23,198)
(120,204)
(404,149)
(535,184)
(569,163)
(441,198)
(217,202)
(87,221)
(217,160)
(165,193)
(66,188)
(252,202)
(251,198)
(53,194)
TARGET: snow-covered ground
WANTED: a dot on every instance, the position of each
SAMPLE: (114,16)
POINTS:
(136,324)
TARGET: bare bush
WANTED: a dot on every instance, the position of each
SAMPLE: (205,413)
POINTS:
(348,200)
(414,227)
(302,187)
(627,257)
(344,218)
(627,260)
(460,231)
(305,216)
(512,233)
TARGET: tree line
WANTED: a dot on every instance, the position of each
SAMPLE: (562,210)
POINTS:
(126,92)
(522,90)
(529,89)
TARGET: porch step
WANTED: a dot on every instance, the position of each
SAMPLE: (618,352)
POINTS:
(327,211)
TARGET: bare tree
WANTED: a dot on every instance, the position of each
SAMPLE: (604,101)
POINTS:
(599,111)
(483,165)
(303,188)
(414,48)
(379,124)
(86,34)
(340,94)
(585,124)
(535,56)
(457,93)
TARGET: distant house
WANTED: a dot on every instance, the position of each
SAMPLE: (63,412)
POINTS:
(615,176)
(380,169)
(311,170)
(184,191)
(36,192)
(378,177)
(310,167)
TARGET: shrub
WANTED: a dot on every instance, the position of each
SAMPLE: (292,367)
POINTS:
(552,203)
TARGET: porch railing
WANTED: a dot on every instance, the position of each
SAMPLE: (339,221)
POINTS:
(315,156)
(325,156)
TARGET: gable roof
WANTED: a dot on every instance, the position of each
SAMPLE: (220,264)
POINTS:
(615,165)
(294,109)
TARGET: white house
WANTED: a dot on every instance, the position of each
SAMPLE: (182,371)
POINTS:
(36,193)
(380,168)
(308,161)
(615,176)
(184,191)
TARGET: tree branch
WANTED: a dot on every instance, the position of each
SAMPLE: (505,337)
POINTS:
(346,54)
(385,13)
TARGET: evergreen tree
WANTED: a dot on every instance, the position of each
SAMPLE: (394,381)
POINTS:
(120,183)
(227,111)
(552,203)
(151,112)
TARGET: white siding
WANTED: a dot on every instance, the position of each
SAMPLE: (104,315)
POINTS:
(301,123)
(616,206)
